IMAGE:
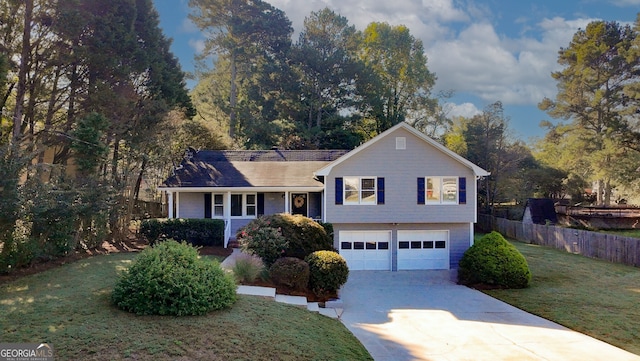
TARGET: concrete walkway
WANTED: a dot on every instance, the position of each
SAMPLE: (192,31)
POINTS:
(425,315)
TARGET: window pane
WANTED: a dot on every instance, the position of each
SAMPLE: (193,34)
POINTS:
(251,199)
(236,205)
(368,183)
(441,244)
(371,245)
(345,245)
(358,245)
(217,199)
(427,244)
(450,190)
(433,190)
(368,197)
(218,211)
(351,193)
(383,245)
(416,244)
(350,184)
(251,210)
(403,245)
(351,196)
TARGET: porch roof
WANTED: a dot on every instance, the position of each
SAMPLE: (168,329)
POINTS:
(242,169)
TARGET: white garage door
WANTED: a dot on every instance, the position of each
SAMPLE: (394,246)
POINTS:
(423,250)
(366,250)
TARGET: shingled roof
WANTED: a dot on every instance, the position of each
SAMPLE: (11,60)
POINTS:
(251,168)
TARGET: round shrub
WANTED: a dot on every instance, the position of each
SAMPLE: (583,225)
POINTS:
(170,279)
(492,261)
(328,271)
(304,235)
(291,272)
(262,239)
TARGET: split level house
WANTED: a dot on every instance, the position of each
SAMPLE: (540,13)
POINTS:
(401,201)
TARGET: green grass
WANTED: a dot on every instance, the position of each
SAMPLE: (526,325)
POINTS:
(69,307)
(623,232)
(594,297)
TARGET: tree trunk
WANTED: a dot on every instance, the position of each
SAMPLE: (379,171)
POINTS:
(22,73)
(607,192)
(233,98)
(136,192)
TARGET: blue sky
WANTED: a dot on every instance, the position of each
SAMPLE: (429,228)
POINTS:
(483,50)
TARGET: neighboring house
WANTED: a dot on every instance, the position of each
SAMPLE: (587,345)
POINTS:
(400,201)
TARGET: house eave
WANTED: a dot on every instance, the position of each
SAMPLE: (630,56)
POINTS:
(242,189)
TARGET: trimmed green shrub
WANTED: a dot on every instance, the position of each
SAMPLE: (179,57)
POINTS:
(494,262)
(291,272)
(260,238)
(197,232)
(328,271)
(247,268)
(170,279)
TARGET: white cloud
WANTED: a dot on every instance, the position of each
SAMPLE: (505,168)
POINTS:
(197,45)
(188,26)
(512,70)
(466,110)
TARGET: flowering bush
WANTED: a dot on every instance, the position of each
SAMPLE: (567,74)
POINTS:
(266,242)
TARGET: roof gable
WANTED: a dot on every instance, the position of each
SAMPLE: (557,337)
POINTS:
(403,125)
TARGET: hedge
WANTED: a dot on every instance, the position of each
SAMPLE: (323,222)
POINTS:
(197,232)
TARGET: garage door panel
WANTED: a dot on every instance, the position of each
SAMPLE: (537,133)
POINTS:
(423,250)
(366,250)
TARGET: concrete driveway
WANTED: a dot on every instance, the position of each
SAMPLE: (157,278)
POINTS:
(424,315)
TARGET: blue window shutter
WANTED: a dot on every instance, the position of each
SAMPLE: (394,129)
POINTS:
(339,196)
(207,205)
(260,204)
(462,190)
(381,190)
(421,190)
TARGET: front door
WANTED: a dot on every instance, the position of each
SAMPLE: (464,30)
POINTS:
(300,203)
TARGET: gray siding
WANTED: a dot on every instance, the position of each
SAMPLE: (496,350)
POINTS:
(459,236)
(401,169)
(273,203)
(236,224)
(191,205)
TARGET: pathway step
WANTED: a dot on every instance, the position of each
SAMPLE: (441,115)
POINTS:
(257,291)
(292,300)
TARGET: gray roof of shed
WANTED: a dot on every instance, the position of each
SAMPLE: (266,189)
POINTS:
(252,168)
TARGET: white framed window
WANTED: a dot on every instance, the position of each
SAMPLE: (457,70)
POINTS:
(360,190)
(218,205)
(441,190)
(243,205)
(250,205)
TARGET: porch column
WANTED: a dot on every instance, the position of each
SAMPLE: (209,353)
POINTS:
(227,207)
(286,202)
(170,204)
(177,204)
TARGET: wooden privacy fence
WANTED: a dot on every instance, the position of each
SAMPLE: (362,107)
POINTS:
(609,247)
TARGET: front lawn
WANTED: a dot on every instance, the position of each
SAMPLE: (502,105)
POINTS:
(69,307)
(594,297)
